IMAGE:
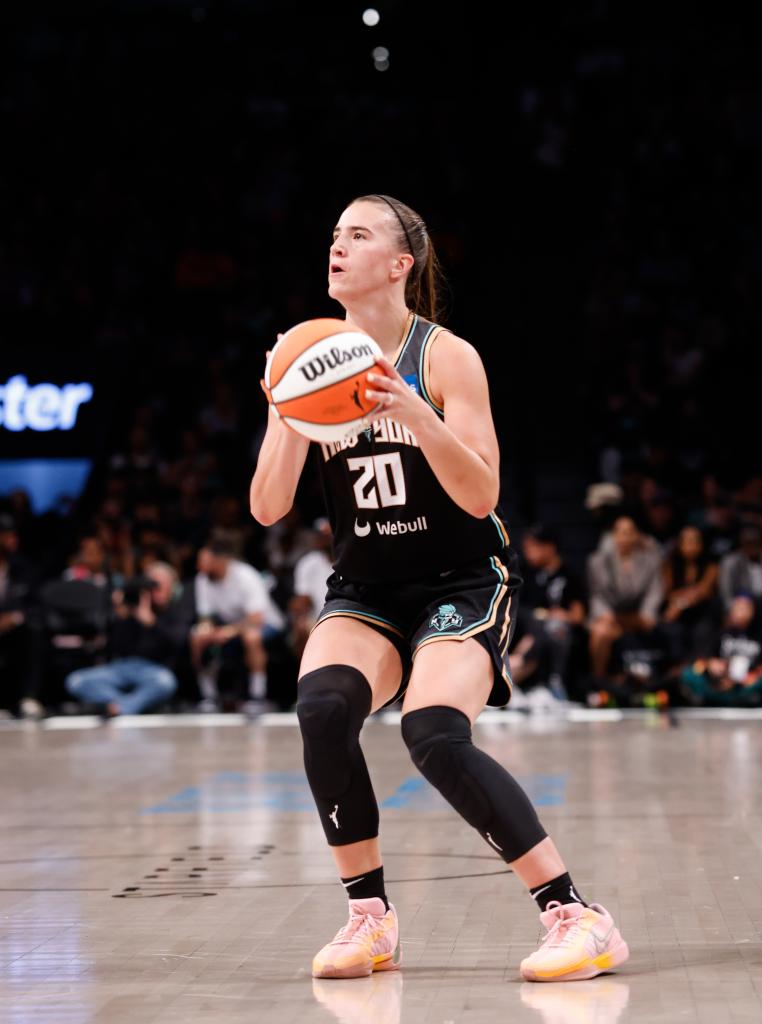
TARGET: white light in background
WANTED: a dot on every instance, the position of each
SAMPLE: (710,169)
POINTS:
(381,58)
(371,17)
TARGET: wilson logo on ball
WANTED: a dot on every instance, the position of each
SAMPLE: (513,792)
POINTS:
(330,360)
(316,379)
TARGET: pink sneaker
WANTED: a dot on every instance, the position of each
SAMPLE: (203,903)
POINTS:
(580,943)
(369,941)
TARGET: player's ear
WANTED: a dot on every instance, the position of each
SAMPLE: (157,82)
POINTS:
(402,264)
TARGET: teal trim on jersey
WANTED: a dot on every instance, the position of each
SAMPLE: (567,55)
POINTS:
(410,334)
(484,618)
(424,392)
(368,615)
(496,524)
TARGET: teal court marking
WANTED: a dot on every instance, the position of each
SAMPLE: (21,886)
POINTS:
(230,792)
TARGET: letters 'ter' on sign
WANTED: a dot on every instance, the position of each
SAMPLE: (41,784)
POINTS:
(41,406)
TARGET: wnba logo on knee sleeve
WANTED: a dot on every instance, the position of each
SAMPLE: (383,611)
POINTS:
(334,816)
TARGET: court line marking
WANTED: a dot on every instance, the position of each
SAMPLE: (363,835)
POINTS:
(281,719)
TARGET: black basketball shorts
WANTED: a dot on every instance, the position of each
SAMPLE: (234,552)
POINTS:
(478,599)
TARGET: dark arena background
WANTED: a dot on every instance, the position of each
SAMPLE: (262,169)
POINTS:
(171,174)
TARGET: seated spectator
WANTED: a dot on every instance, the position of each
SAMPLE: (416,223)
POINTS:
(728,669)
(145,639)
(310,575)
(89,563)
(553,595)
(720,525)
(237,617)
(742,570)
(690,583)
(284,544)
(625,588)
(660,517)
(21,641)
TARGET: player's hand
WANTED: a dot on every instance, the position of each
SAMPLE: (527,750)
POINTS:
(398,400)
(267,356)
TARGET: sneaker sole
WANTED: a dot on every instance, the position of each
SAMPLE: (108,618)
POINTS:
(586,969)
(382,962)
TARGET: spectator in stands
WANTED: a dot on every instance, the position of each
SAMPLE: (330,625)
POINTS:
(112,528)
(742,570)
(554,596)
(284,544)
(227,520)
(728,669)
(690,582)
(237,617)
(625,588)
(146,635)
(660,517)
(604,502)
(310,575)
(21,641)
(90,563)
(720,525)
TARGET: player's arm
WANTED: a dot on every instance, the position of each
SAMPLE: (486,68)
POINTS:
(462,450)
(279,466)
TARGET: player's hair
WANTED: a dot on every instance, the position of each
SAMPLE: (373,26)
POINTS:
(422,288)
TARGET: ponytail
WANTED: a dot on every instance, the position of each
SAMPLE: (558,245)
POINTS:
(426,277)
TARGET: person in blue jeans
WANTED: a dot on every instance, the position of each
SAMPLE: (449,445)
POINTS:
(147,632)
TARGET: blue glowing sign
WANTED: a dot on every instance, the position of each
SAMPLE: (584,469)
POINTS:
(41,406)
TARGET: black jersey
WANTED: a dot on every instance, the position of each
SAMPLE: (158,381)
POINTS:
(391,518)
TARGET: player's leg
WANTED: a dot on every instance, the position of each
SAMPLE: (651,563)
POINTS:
(449,685)
(349,670)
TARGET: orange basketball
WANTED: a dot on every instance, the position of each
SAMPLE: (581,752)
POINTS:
(315,379)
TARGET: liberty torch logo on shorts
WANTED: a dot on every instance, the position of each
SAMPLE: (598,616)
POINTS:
(446,617)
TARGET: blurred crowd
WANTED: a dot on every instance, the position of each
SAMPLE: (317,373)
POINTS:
(675,620)
(173,602)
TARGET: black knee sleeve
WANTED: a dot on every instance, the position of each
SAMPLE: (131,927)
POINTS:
(332,704)
(480,789)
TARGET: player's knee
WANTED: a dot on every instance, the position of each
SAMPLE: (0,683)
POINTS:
(332,703)
(429,732)
(437,738)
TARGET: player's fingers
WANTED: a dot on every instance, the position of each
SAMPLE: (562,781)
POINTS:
(385,397)
(379,379)
(268,353)
(387,365)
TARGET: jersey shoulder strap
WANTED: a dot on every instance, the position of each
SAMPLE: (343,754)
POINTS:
(414,360)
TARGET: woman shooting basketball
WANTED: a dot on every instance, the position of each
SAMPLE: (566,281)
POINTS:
(428,612)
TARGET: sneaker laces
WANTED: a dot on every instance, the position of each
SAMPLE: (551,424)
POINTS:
(355,926)
(561,933)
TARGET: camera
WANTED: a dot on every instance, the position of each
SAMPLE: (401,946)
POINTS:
(134,587)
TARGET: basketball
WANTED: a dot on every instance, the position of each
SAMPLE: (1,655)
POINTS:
(315,379)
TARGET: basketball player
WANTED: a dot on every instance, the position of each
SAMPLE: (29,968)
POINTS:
(422,601)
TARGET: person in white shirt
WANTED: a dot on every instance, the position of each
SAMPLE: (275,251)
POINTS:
(236,616)
(311,573)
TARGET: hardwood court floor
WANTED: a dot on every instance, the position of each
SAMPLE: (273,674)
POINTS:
(166,872)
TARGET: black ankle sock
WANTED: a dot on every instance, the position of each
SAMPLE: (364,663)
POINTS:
(561,889)
(369,883)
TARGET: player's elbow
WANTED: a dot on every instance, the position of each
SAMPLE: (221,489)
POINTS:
(488,503)
(266,516)
(482,511)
